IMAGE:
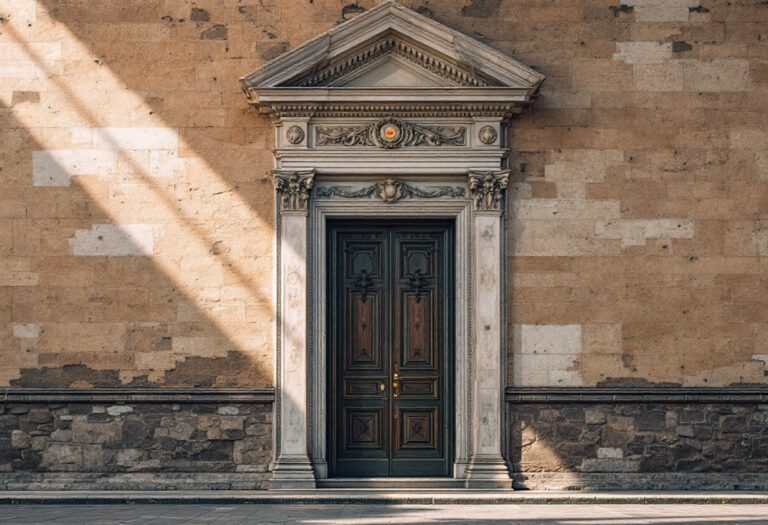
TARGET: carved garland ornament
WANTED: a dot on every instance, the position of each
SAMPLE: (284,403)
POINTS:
(391,191)
(294,189)
(487,189)
(391,133)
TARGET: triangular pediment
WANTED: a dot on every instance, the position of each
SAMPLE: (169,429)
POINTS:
(392,47)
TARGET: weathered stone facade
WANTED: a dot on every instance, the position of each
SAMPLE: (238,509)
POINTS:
(137,228)
(135,445)
(639,445)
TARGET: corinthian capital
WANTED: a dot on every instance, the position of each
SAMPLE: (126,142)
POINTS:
(487,189)
(294,189)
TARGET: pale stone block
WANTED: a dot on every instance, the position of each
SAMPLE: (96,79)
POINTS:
(26,331)
(609,453)
(750,138)
(19,12)
(716,75)
(136,138)
(547,339)
(30,51)
(119,410)
(658,77)
(56,167)
(636,231)
(559,238)
(643,52)
(166,163)
(114,240)
(565,209)
(546,370)
(82,136)
(661,10)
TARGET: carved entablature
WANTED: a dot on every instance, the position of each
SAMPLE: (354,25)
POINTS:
(391,91)
(487,190)
(391,191)
(294,189)
(391,133)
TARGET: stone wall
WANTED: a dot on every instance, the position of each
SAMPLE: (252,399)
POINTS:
(639,445)
(136,217)
(155,445)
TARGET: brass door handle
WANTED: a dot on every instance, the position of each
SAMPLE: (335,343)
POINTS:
(382,387)
(395,384)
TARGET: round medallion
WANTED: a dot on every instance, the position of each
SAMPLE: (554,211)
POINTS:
(295,135)
(389,132)
(488,135)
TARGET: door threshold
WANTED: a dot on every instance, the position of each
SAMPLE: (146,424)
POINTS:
(391,483)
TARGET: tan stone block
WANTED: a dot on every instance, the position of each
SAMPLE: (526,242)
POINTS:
(667,76)
(716,75)
(601,75)
(601,338)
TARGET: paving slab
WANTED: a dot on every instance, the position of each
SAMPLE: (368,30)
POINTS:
(378,497)
(268,514)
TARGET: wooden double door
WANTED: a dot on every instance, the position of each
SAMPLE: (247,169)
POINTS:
(390,348)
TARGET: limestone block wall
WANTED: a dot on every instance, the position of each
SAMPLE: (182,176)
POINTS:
(637,250)
(136,210)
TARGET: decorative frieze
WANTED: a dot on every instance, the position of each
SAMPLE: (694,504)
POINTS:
(487,189)
(391,133)
(294,189)
(391,191)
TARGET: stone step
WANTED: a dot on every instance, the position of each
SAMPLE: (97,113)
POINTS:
(391,483)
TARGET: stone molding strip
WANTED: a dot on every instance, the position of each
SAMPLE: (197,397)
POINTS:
(133,395)
(756,394)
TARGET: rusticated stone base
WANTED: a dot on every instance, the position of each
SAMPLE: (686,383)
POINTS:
(170,481)
(639,445)
(640,481)
(135,445)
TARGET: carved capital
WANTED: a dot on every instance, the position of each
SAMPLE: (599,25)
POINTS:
(294,189)
(487,189)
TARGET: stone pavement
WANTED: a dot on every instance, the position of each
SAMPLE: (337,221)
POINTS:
(383,514)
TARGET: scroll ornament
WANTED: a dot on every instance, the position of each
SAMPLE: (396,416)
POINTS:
(391,133)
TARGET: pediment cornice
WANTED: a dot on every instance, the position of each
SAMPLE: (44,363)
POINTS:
(392,60)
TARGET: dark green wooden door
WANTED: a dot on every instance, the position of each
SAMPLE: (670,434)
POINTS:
(390,348)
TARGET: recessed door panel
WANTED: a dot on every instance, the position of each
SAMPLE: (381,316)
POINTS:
(390,353)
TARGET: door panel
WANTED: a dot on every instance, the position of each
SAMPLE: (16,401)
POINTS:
(390,357)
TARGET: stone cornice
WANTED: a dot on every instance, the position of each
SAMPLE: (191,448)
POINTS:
(137,395)
(650,394)
(457,73)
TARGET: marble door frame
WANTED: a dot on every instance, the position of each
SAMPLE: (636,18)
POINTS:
(480,362)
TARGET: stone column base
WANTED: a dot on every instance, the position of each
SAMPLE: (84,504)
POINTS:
(290,473)
(488,473)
